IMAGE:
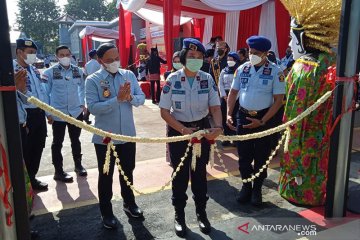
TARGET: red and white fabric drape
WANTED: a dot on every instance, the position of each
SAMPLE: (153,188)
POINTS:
(234,20)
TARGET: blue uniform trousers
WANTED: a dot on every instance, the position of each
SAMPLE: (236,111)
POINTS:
(35,142)
(58,139)
(198,177)
(126,153)
(257,150)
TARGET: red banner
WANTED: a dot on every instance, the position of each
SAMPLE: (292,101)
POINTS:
(249,22)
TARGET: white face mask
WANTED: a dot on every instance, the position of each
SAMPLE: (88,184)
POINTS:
(30,59)
(231,63)
(112,67)
(254,59)
(65,61)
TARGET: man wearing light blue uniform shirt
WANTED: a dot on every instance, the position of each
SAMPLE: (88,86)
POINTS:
(65,88)
(261,88)
(35,117)
(111,94)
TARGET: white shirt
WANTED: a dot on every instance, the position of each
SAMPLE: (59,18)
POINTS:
(92,66)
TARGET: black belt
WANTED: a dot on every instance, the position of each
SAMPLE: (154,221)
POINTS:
(253,113)
(34,110)
(200,123)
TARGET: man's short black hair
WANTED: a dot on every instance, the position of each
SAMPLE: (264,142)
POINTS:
(61,47)
(103,48)
(242,51)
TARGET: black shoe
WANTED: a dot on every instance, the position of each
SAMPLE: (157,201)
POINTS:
(79,169)
(256,197)
(133,210)
(153,101)
(245,193)
(63,177)
(179,224)
(34,234)
(88,122)
(203,221)
(38,185)
(110,222)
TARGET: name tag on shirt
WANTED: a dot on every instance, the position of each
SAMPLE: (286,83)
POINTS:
(269,77)
(203,91)
(245,75)
(178,92)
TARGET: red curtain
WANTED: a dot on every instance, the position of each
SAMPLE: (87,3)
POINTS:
(219,25)
(282,27)
(172,13)
(199,25)
(86,46)
(125,23)
(89,40)
(83,48)
(249,22)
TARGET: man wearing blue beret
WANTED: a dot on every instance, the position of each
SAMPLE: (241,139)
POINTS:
(34,124)
(93,65)
(261,88)
(219,62)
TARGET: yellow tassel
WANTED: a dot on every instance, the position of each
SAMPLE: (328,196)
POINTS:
(286,145)
(107,159)
(195,154)
(212,155)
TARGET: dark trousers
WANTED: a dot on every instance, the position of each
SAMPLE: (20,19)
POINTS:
(35,143)
(257,150)
(58,139)
(126,153)
(198,177)
(155,96)
(227,130)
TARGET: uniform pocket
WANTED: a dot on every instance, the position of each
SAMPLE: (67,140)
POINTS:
(265,84)
(203,102)
(76,81)
(178,102)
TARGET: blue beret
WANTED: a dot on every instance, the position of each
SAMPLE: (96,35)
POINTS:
(193,44)
(25,43)
(259,43)
(92,53)
(234,55)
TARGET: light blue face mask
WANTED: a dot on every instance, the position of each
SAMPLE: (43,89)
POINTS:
(177,66)
(194,65)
